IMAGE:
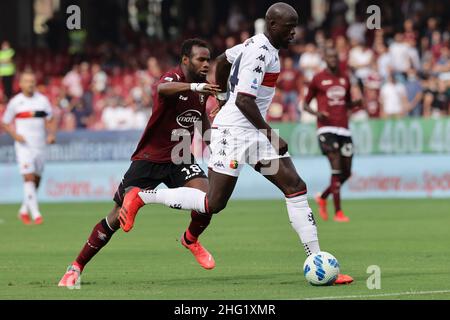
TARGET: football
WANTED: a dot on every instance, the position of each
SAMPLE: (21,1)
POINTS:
(321,269)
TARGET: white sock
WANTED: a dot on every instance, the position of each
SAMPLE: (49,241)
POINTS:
(31,199)
(23,208)
(177,198)
(302,220)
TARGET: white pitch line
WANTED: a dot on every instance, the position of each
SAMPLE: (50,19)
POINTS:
(407,293)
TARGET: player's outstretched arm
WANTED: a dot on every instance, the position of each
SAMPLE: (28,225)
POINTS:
(250,110)
(171,88)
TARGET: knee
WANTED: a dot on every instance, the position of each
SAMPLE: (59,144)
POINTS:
(295,186)
(345,176)
(214,206)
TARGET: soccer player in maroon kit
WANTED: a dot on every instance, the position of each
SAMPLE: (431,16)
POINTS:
(179,102)
(332,91)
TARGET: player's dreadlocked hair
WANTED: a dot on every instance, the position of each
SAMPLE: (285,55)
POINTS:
(186,47)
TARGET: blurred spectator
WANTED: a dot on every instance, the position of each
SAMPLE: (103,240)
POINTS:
(290,84)
(356,32)
(310,62)
(384,61)
(360,60)
(81,113)
(393,98)
(414,93)
(7,68)
(399,52)
(99,79)
(436,98)
(277,111)
(72,82)
(116,116)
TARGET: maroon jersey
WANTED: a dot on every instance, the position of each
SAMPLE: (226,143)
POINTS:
(333,96)
(172,116)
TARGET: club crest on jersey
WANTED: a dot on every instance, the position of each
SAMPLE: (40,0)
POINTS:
(234,164)
(342,81)
(336,93)
(188,118)
(201,98)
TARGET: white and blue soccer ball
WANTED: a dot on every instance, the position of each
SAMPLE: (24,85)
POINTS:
(321,269)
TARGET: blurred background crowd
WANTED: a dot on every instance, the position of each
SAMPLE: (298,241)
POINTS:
(103,75)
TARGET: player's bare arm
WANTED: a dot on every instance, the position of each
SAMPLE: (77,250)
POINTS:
(51,130)
(172,88)
(12,132)
(206,129)
(249,109)
(223,69)
(318,114)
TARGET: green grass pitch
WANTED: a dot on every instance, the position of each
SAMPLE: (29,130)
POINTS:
(258,255)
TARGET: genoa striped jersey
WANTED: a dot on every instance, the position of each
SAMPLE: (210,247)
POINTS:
(29,115)
(254,72)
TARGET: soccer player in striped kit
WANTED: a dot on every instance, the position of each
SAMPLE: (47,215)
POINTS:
(28,119)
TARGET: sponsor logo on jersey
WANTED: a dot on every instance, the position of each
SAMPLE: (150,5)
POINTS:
(181,97)
(219,164)
(326,82)
(258,69)
(336,94)
(248,42)
(261,58)
(180,132)
(234,164)
(264,47)
(168,79)
(222,153)
(188,118)
(342,81)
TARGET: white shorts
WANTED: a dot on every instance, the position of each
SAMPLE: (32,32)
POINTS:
(30,160)
(232,147)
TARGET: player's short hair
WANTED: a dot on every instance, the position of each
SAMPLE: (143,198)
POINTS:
(186,47)
(28,72)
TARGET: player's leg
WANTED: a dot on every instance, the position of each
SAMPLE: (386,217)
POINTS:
(102,232)
(300,214)
(221,187)
(335,160)
(329,145)
(294,190)
(199,222)
(345,160)
(99,237)
(222,180)
(30,197)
